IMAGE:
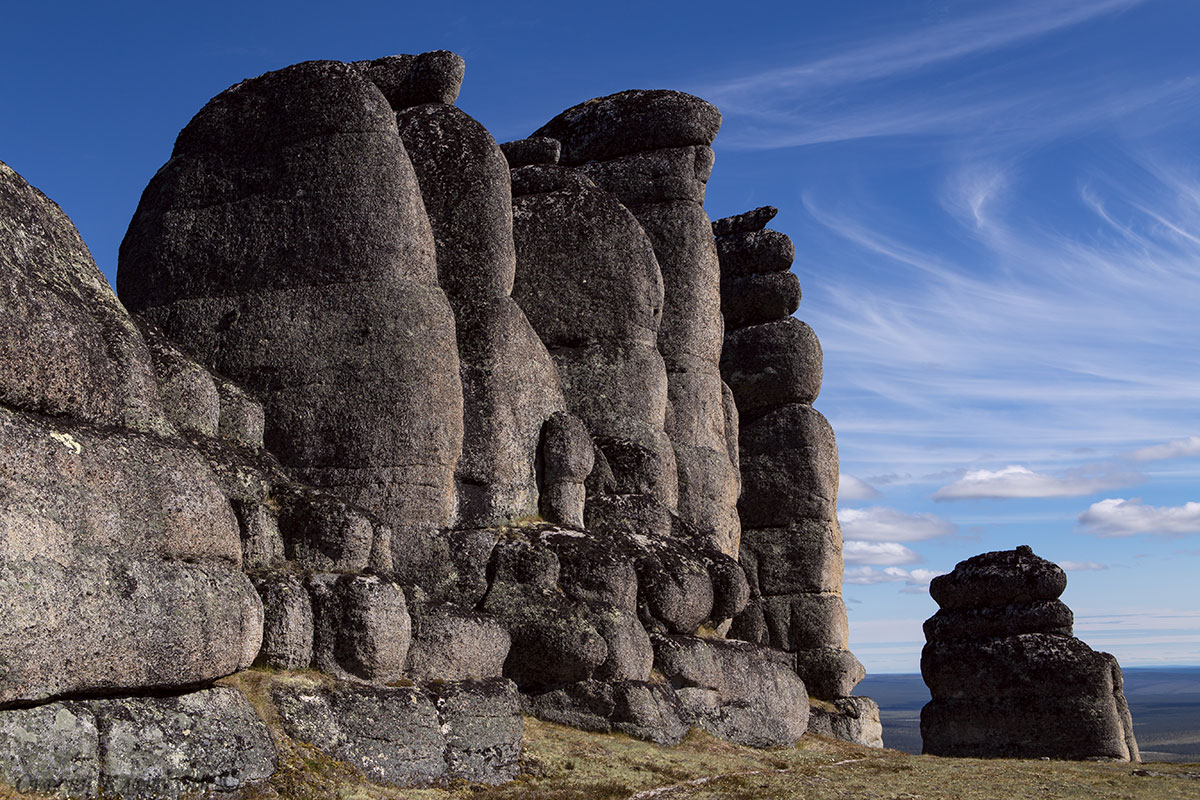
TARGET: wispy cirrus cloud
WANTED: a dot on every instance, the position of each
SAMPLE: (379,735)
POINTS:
(852,93)
(879,524)
(889,55)
(1116,516)
(1082,566)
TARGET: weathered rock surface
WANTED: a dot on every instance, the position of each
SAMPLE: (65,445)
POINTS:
(409,80)
(791,545)
(452,644)
(754,299)
(287,623)
(119,554)
(1007,678)
(650,149)
(361,626)
(137,747)
(740,692)
(601,325)
(510,385)
(296,259)
(852,719)
(403,736)
(789,468)
(534,150)
(749,221)
(67,347)
(645,710)
(771,365)
(999,579)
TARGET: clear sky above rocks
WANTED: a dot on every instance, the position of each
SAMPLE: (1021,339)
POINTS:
(996,210)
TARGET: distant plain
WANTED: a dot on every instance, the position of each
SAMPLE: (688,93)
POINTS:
(1164,702)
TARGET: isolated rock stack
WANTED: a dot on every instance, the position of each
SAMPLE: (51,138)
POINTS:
(1007,678)
(791,542)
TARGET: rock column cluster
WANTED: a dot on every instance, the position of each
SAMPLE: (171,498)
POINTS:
(441,419)
(791,543)
(1007,677)
(510,385)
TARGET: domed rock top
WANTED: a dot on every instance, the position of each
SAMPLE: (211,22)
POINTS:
(630,122)
(999,578)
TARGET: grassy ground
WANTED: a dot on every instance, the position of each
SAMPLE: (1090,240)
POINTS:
(566,764)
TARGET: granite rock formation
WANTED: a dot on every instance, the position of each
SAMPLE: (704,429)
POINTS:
(651,151)
(453,423)
(1007,678)
(791,545)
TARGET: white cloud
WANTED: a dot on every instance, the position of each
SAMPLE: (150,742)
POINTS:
(870,575)
(1176,448)
(1115,516)
(851,488)
(1016,481)
(879,524)
(878,553)
(1081,566)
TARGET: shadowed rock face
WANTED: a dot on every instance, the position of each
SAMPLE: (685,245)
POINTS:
(650,149)
(286,245)
(510,385)
(590,284)
(1007,678)
(791,542)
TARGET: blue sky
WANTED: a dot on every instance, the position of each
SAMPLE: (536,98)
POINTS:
(996,210)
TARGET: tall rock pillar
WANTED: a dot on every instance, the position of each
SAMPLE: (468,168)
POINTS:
(1007,677)
(510,385)
(286,246)
(791,544)
(651,150)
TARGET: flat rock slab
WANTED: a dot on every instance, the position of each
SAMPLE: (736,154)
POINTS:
(137,747)
(410,735)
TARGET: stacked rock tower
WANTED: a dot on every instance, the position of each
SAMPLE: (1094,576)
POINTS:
(791,546)
(453,423)
(1007,677)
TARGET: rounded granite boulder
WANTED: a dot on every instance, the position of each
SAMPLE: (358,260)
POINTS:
(999,578)
(631,121)
(753,299)
(772,364)
(755,253)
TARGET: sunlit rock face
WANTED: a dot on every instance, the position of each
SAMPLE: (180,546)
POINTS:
(1007,678)
(286,246)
